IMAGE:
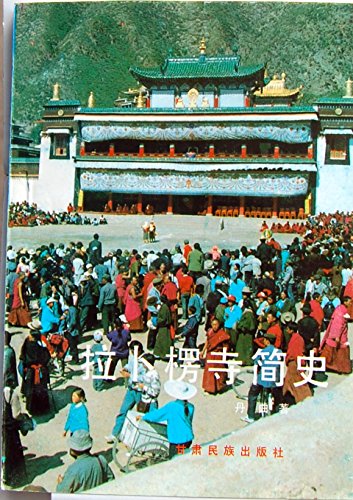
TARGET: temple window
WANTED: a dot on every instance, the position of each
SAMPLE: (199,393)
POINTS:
(337,149)
(60,146)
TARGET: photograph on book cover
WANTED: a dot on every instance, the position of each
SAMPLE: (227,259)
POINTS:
(179,261)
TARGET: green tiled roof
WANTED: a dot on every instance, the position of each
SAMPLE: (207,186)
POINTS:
(335,100)
(198,68)
(63,102)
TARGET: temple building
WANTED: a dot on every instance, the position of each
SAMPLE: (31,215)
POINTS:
(24,165)
(202,135)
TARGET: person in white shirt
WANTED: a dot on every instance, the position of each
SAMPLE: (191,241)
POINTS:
(309,287)
(347,274)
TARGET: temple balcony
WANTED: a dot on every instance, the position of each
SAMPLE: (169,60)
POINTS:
(199,164)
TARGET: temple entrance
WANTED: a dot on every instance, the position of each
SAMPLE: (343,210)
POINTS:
(189,205)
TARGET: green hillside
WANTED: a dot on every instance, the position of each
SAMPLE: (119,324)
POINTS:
(90,46)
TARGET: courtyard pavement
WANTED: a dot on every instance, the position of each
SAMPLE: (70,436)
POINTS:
(126,232)
(215,416)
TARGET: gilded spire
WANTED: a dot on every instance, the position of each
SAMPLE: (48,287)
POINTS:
(140,100)
(203,46)
(91,100)
(56,92)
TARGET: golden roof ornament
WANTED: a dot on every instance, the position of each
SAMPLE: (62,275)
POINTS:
(91,100)
(56,92)
(203,46)
(277,88)
(140,103)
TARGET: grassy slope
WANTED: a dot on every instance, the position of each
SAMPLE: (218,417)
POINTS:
(90,46)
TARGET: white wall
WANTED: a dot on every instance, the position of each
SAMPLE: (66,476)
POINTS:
(162,99)
(56,186)
(231,98)
(22,189)
(334,182)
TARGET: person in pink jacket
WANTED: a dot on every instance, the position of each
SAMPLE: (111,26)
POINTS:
(334,346)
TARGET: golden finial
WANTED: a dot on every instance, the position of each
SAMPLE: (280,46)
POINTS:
(56,92)
(91,100)
(140,100)
(266,73)
(283,75)
(203,46)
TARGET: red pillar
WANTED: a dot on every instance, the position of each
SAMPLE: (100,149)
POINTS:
(211,151)
(148,102)
(310,152)
(209,210)
(247,101)
(241,205)
(139,204)
(171,150)
(274,207)
(141,150)
(82,149)
(244,152)
(216,101)
(170,204)
(276,152)
(111,150)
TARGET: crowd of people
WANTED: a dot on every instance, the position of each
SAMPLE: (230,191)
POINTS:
(29,215)
(292,300)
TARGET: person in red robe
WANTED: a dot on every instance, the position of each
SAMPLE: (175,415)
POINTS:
(296,347)
(275,329)
(19,314)
(147,283)
(216,340)
(334,345)
(133,311)
(170,290)
(187,249)
(348,292)
(316,310)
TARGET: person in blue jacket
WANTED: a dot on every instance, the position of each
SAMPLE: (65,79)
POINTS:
(178,414)
(77,418)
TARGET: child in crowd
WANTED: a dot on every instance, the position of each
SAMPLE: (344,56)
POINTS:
(98,361)
(77,418)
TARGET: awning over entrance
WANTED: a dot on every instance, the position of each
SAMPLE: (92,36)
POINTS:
(237,184)
(199,166)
